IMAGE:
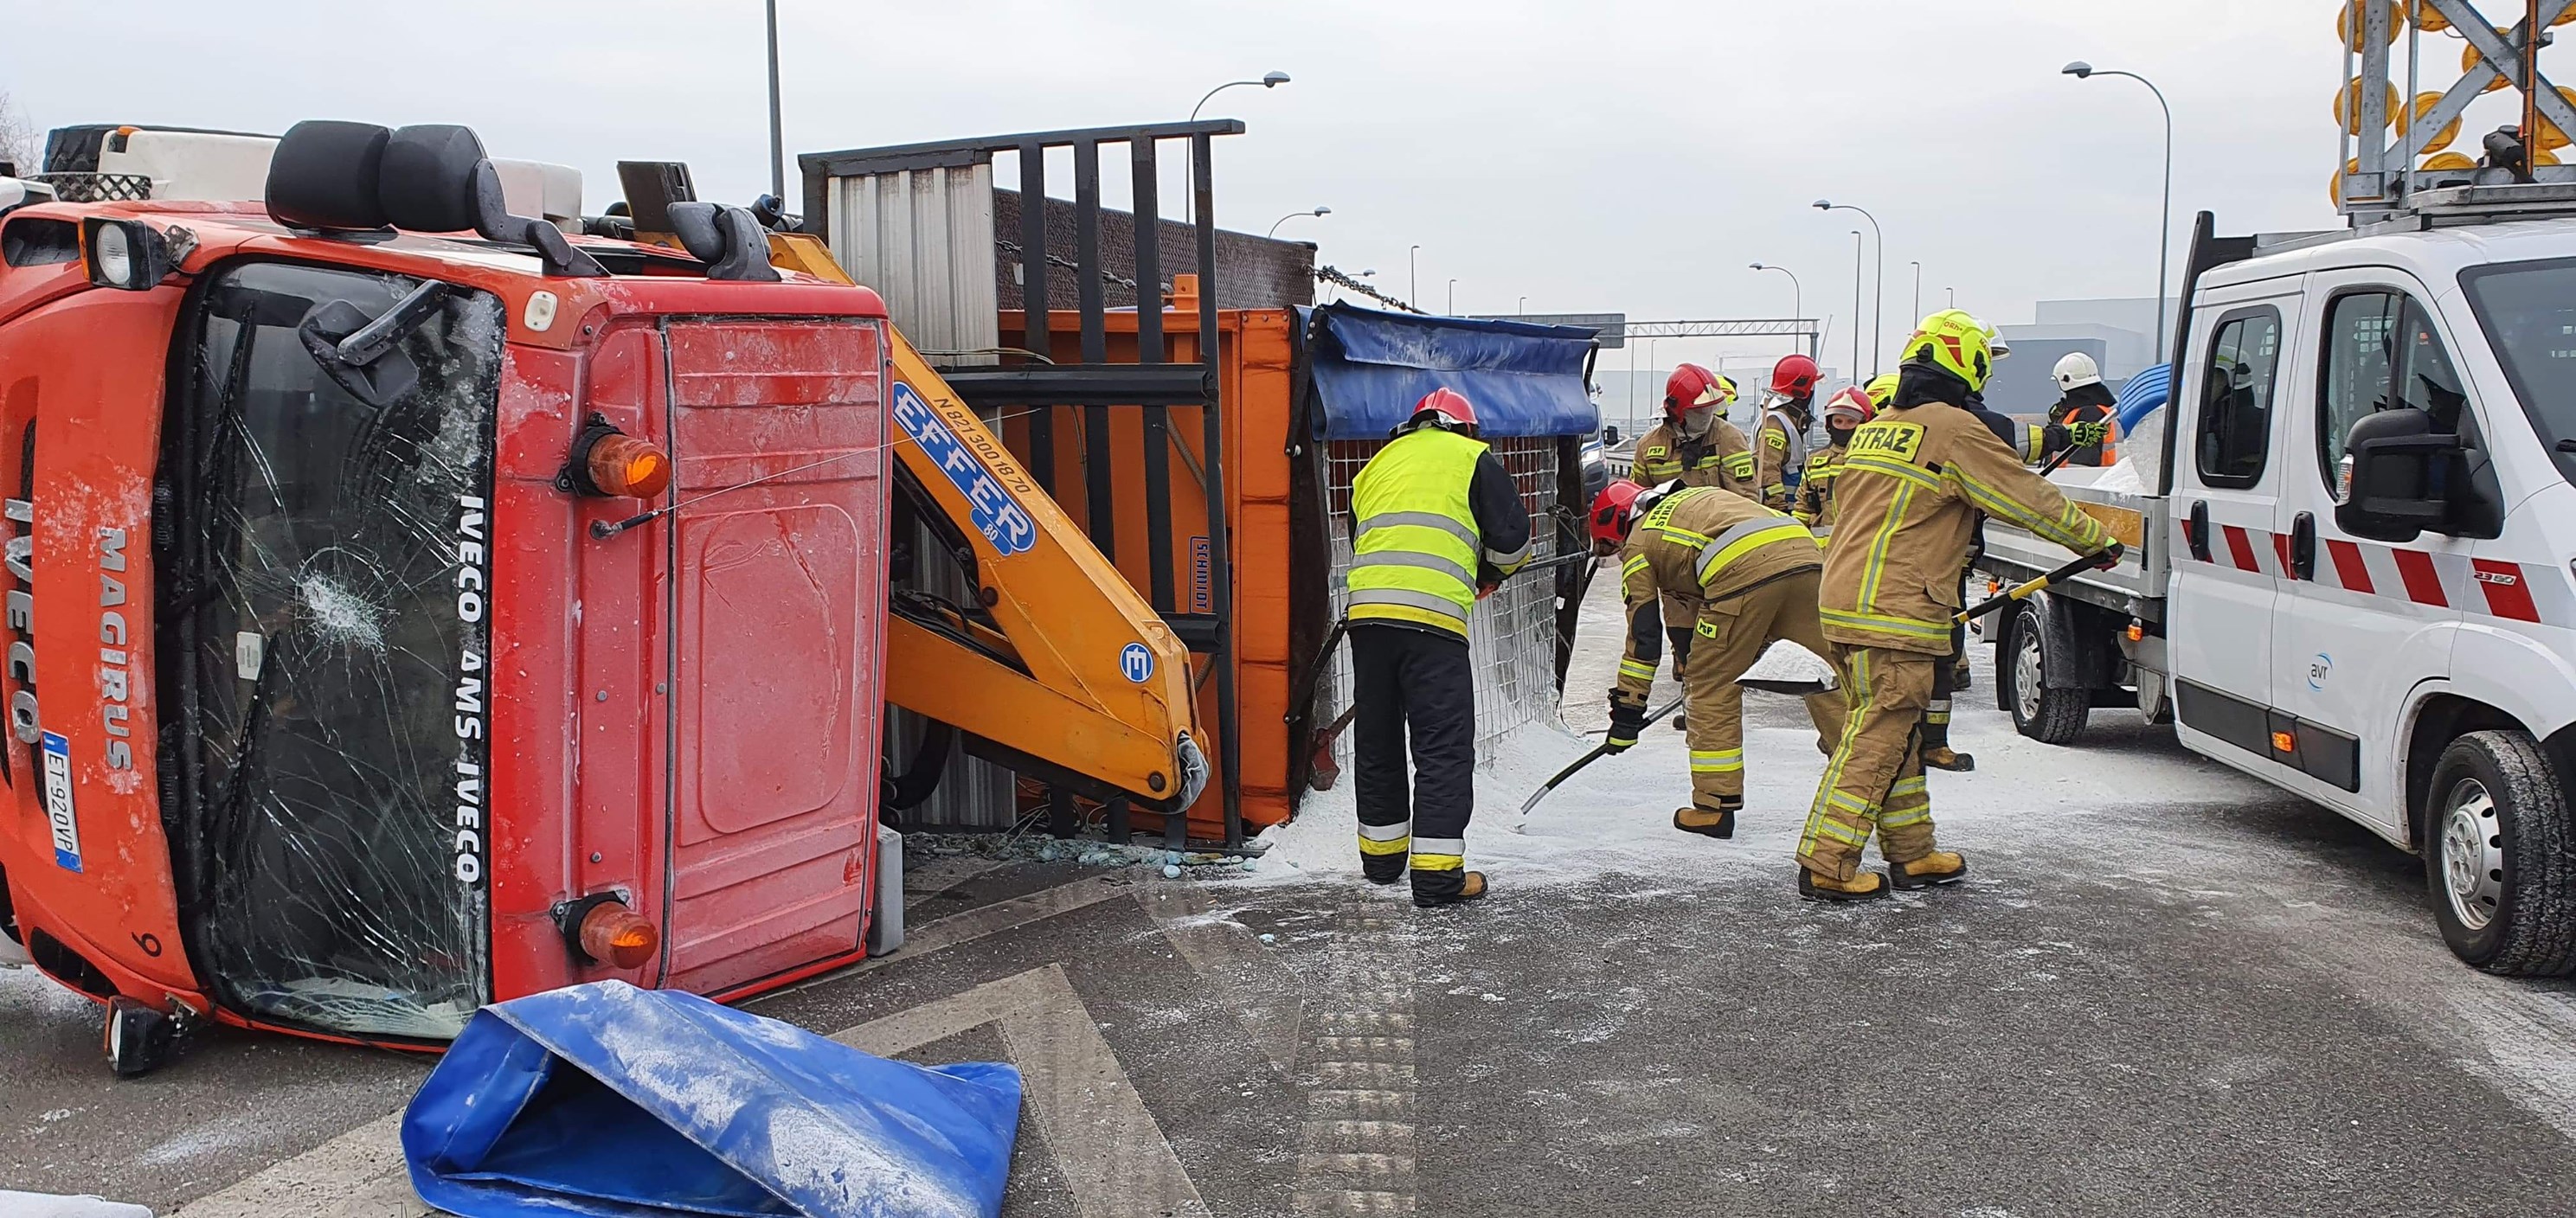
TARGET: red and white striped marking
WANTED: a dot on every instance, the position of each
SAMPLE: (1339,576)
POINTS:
(2512,591)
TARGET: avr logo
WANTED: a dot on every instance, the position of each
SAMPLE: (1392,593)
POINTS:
(2318,670)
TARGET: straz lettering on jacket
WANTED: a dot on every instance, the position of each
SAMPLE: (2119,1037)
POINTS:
(1895,438)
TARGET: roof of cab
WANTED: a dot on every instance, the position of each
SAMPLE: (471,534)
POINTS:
(2435,255)
(245,229)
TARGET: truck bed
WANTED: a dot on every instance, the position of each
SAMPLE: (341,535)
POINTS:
(2134,588)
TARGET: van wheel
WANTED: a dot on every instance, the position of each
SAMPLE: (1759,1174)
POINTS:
(2050,716)
(2500,857)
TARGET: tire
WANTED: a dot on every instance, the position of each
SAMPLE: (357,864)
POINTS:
(2500,856)
(2050,716)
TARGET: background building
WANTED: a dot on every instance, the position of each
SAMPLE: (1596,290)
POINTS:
(2120,335)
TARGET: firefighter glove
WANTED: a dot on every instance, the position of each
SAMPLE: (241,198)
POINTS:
(1627,718)
(2110,555)
(2085,435)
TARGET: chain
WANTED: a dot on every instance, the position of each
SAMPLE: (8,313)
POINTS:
(1013,249)
(1336,277)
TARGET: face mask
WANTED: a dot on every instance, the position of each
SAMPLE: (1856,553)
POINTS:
(1697,420)
(1841,435)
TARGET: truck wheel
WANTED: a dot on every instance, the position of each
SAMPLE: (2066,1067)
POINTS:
(2050,716)
(2500,857)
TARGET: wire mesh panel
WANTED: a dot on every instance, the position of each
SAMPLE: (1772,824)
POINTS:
(96,187)
(1511,637)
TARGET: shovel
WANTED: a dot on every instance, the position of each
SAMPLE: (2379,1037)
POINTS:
(1991,604)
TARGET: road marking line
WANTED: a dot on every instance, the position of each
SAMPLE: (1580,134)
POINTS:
(1113,1156)
(1227,957)
(360,1174)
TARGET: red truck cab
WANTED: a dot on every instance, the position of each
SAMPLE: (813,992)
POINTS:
(343,696)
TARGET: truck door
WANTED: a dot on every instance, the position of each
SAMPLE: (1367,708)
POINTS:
(2356,629)
(778,436)
(2226,491)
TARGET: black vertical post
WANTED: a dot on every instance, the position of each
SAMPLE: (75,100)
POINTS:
(1100,491)
(1220,560)
(1033,298)
(1149,350)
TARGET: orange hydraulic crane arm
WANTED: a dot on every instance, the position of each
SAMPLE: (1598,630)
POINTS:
(1092,682)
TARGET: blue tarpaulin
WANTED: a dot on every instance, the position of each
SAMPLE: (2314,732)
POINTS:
(608,1100)
(2143,394)
(1369,368)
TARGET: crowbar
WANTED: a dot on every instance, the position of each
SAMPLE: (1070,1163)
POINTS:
(1992,604)
(1652,717)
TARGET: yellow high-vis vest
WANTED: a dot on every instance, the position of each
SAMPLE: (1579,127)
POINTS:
(1416,552)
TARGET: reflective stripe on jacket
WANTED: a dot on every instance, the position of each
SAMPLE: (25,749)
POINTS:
(1702,544)
(1722,458)
(1913,482)
(1414,557)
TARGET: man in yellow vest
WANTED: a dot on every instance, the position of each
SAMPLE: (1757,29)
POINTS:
(1906,502)
(1438,524)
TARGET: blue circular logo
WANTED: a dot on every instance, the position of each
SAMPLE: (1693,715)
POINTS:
(1136,662)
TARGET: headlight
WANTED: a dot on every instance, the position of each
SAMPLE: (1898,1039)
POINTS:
(124,254)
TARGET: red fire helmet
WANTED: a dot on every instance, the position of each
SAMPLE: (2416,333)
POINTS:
(1448,404)
(1691,385)
(1794,376)
(1852,403)
(1614,511)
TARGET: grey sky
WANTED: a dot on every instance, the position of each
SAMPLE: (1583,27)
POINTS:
(1608,155)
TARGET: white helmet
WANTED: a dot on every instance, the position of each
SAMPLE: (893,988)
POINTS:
(2077,370)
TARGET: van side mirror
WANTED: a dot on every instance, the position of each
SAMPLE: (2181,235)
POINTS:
(2400,480)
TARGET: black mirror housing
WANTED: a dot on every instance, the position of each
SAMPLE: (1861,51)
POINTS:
(2400,476)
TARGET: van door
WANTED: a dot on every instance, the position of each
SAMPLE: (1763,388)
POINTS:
(778,446)
(2358,622)
(2226,493)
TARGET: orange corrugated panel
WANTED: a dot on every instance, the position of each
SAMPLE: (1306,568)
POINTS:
(1254,356)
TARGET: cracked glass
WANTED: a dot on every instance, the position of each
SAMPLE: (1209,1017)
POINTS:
(324,563)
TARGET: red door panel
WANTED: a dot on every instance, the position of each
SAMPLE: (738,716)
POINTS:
(780,596)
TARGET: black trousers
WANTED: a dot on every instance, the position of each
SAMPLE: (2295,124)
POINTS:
(1416,685)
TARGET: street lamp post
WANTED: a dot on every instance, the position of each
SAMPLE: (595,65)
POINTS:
(1918,291)
(777,142)
(1269,80)
(2081,70)
(1453,296)
(1523,310)
(1274,225)
(1797,294)
(1878,309)
(1856,267)
(1412,276)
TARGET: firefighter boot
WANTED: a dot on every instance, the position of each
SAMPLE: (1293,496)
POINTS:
(1470,888)
(1716,822)
(1943,757)
(1864,886)
(1938,867)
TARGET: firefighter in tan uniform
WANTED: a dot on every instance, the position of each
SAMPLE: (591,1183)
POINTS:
(1780,439)
(1750,574)
(1843,414)
(1906,503)
(1694,446)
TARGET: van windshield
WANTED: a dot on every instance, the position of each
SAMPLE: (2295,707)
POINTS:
(324,646)
(2528,310)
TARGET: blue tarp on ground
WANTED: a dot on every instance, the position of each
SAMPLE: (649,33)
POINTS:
(608,1100)
(2143,394)
(1369,368)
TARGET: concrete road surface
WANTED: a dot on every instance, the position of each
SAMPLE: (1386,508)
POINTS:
(2166,990)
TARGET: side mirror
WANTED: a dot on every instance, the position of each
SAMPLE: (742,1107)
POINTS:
(1609,437)
(2400,476)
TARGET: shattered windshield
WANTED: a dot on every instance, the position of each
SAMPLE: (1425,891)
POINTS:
(2528,310)
(325,613)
